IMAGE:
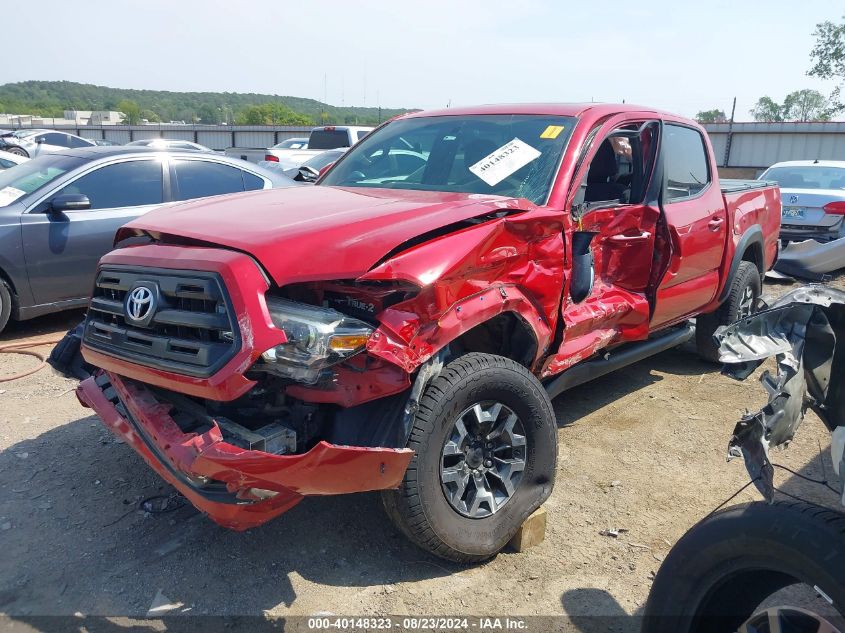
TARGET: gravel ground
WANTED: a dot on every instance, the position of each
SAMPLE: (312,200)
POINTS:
(642,450)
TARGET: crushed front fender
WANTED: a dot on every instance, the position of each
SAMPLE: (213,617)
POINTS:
(235,487)
(805,331)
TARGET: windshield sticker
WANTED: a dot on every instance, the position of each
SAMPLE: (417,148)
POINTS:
(503,162)
(9,194)
(553,131)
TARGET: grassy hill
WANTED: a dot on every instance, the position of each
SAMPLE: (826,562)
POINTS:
(51,98)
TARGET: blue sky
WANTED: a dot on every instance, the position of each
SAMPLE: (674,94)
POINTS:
(679,56)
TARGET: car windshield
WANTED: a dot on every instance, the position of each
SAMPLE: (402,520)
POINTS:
(808,177)
(28,177)
(507,155)
(321,160)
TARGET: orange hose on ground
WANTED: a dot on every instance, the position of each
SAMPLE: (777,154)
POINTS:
(24,348)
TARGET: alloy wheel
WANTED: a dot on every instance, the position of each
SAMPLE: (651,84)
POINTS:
(483,459)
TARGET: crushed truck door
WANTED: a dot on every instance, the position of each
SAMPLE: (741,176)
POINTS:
(614,205)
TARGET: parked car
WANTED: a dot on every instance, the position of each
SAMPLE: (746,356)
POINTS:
(813,198)
(169,143)
(292,143)
(8,160)
(311,169)
(402,326)
(31,143)
(59,213)
(321,139)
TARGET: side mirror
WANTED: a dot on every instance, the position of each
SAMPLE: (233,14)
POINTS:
(69,202)
(308,174)
(40,140)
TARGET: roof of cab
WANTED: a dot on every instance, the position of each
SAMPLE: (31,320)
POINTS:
(559,109)
(810,163)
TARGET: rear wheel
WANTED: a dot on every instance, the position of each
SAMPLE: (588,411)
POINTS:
(485,446)
(18,151)
(742,301)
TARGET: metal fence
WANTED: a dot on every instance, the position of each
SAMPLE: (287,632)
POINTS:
(759,145)
(219,137)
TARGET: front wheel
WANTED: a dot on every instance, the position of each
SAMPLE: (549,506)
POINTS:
(485,445)
(718,574)
(18,151)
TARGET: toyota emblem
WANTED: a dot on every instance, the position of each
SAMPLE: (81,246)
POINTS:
(140,305)
(793,199)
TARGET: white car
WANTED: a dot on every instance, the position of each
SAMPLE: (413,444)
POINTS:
(8,160)
(812,197)
(34,142)
(321,139)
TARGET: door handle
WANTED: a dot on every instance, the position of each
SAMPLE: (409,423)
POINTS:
(628,239)
(716,223)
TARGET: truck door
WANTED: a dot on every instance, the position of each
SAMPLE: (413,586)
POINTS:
(615,204)
(697,226)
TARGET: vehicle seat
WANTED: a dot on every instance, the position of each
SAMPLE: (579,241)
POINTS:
(600,185)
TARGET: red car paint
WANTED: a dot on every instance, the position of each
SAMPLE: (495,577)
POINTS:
(655,266)
(325,469)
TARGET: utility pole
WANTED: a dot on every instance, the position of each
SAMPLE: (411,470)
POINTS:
(730,135)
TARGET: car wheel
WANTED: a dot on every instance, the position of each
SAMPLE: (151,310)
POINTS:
(743,301)
(485,444)
(5,304)
(719,573)
(18,151)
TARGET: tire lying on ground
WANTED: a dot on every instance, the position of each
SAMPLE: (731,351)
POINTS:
(485,445)
(743,300)
(723,568)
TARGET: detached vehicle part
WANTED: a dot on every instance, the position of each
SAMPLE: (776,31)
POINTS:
(718,574)
(805,331)
(810,259)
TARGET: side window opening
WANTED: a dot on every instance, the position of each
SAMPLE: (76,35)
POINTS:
(687,169)
(127,184)
(621,168)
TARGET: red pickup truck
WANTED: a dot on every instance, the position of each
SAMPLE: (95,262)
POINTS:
(403,324)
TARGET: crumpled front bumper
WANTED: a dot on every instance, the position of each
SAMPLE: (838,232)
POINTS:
(236,487)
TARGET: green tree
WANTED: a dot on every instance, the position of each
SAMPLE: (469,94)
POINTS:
(828,57)
(711,116)
(208,114)
(130,110)
(806,105)
(150,116)
(271,114)
(767,109)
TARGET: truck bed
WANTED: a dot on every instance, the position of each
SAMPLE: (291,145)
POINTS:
(736,185)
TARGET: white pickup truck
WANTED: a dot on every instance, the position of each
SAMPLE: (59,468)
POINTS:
(321,139)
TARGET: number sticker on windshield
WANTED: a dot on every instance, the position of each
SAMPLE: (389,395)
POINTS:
(500,164)
(9,194)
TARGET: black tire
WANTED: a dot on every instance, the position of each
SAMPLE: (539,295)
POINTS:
(747,279)
(723,568)
(420,509)
(17,151)
(5,304)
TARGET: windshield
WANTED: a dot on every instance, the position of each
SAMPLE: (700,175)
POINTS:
(32,175)
(25,133)
(809,177)
(292,143)
(328,138)
(321,160)
(506,155)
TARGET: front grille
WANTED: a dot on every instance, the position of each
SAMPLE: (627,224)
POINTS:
(192,329)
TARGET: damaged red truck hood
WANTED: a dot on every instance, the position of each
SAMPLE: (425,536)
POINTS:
(310,233)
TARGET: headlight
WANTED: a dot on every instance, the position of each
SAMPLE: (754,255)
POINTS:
(317,337)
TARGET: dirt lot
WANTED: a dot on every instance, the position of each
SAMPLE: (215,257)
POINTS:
(643,450)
